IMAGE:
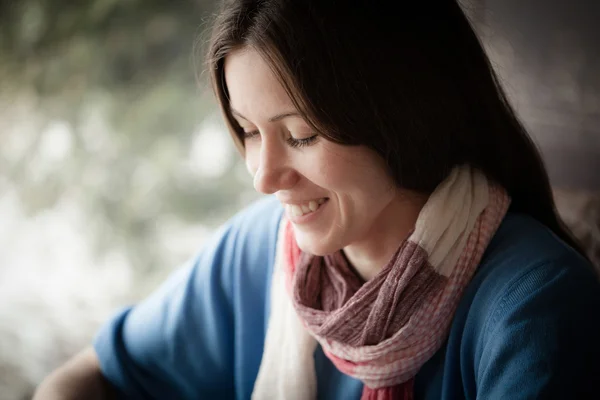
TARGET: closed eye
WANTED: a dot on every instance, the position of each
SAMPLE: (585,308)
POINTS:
(297,143)
(251,134)
(291,141)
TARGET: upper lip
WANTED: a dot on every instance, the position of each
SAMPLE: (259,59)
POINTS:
(291,201)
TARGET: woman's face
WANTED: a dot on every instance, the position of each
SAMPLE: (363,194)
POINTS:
(334,195)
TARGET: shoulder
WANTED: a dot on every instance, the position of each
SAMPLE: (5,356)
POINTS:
(530,314)
(181,340)
(244,246)
(235,260)
(522,239)
(250,233)
(526,255)
(525,260)
(256,220)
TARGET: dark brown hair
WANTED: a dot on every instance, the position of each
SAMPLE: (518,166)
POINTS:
(412,83)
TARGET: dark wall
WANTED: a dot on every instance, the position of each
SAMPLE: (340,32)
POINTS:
(548,54)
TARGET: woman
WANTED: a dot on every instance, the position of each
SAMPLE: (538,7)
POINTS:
(411,248)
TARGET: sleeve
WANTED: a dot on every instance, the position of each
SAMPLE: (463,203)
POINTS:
(179,342)
(542,340)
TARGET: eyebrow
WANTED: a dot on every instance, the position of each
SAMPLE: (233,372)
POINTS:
(275,118)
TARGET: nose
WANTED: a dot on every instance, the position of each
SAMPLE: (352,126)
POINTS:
(272,169)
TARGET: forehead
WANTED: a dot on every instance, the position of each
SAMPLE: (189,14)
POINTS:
(254,90)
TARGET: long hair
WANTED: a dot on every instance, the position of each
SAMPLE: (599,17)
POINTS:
(416,86)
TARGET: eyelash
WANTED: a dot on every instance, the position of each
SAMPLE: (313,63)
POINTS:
(292,142)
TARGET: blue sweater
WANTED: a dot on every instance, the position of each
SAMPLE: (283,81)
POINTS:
(528,325)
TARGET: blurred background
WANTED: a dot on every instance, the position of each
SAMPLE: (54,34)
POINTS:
(115,165)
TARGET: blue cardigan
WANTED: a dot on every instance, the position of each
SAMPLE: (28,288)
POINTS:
(528,325)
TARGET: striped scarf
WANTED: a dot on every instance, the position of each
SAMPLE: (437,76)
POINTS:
(382,331)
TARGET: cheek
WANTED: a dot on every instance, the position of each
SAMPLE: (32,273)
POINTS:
(326,168)
(337,175)
(359,177)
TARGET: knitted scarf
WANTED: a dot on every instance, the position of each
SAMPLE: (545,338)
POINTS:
(382,331)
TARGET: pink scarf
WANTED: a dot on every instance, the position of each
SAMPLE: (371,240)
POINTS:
(382,331)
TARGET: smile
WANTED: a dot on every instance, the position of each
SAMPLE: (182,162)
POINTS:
(298,210)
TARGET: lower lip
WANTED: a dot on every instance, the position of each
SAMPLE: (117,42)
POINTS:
(306,218)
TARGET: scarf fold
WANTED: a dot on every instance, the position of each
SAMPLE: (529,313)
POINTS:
(381,331)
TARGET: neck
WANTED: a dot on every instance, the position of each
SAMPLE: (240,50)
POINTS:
(375,249)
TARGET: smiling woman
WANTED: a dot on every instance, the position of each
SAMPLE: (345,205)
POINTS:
(409,248)
(360,207)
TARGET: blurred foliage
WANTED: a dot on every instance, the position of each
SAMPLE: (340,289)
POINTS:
(111,43)
(101,110)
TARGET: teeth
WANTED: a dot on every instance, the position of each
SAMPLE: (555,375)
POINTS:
(298,210)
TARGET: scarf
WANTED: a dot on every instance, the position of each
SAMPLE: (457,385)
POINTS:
(382,331)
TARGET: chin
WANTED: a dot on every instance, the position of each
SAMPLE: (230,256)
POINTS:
(315,245)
